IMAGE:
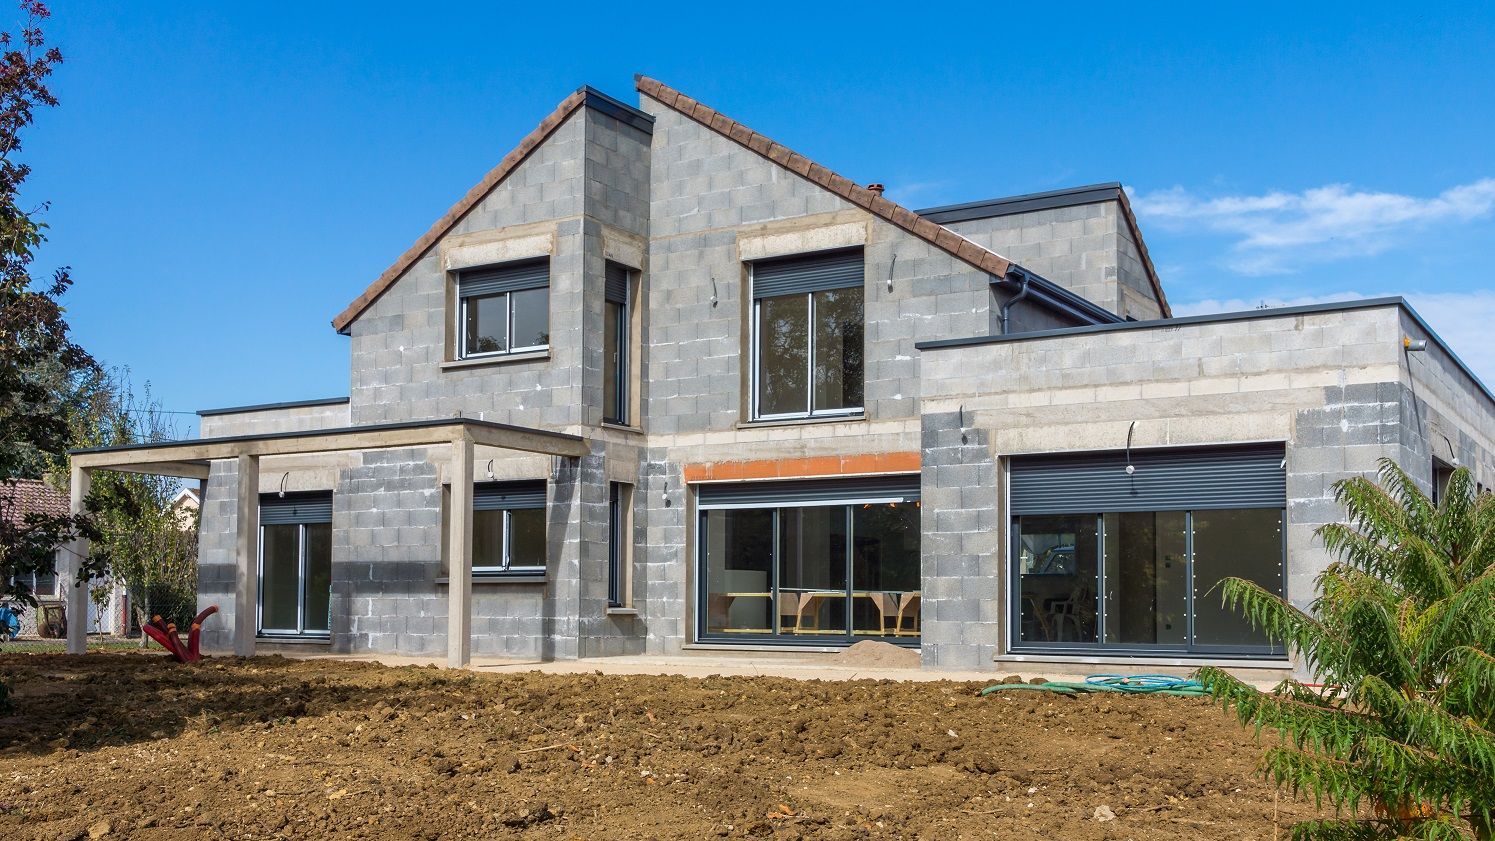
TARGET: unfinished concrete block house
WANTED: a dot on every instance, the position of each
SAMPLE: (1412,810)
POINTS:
(658,383)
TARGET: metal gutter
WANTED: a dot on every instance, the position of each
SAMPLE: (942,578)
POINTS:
(1058,298)
(266,407)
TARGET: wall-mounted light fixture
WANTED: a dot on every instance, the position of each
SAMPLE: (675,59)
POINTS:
(1131,469)
(283,479)
(891,263)
(714,298)
(490,469)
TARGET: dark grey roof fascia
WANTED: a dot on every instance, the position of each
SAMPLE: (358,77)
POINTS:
(1222,318)
(618,109)
(337,430)
(265,407)
(1027,203)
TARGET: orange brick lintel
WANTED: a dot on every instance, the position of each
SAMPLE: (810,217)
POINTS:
(803,468)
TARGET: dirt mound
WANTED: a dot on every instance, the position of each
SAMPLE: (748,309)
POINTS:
(273,748)
(876,653)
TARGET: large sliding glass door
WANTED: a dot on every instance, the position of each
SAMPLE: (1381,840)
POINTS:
(295,565)
(810,562)
(1106,558)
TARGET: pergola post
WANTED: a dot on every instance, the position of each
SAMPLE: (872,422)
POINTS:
(459,544)
(247,556)
(77,551)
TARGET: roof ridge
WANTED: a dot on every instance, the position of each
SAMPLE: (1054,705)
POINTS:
(885,209)
(454,214)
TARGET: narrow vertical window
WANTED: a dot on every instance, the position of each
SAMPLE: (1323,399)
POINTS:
(504,309)
(619,543)
(809,325)
(616,340)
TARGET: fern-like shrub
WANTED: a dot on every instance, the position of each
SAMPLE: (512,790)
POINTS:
(1395,729)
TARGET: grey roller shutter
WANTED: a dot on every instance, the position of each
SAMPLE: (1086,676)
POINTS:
(829,270)
(294,508)
(530,274)
(1164,480)
(616,287)
(808,492)
(489,496)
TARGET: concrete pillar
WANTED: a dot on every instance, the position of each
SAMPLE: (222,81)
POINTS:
(72,560)
(247,556)
(459,544)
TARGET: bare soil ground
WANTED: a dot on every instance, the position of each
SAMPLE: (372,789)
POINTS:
(131,746)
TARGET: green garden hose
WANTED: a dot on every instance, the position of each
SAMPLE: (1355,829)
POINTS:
(1127,684)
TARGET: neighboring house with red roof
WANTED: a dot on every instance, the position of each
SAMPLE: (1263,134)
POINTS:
(22,497)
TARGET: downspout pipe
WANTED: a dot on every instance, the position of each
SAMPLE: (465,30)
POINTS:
(1022,293)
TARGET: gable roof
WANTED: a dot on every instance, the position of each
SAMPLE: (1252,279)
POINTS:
(889,211)
(585,95)
(1090,194)
(19,497)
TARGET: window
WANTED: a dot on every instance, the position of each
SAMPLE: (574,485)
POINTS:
(1442,473)
(615,341)
(813,562)
(504,309)
(1103,558)
(295,564)
(808,336)
(43,585)
(508,528)
(619,544)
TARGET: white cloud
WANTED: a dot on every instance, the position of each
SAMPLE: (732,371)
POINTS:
(1461,319)
(1277,230)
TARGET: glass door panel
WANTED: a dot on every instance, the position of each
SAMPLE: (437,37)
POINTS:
(280,578)
(1244,543)
(1146,580)
(318,578)
(1058,577)
(812,568)
(738,561)
(885,568)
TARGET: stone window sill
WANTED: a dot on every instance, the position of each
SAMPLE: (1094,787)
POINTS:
(499,579)
(622,611)
(762,424)
(497,359)
(623,427)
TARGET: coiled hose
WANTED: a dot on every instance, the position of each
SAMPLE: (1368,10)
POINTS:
(1129,684)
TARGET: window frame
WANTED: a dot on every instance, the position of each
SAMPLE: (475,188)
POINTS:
(506,550)
(619,545)
(1272,651)
(755,333)
(463,301)
(856,496)
(301,563)
(622,377)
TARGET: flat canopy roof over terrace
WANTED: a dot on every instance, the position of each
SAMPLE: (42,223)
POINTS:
(192,459)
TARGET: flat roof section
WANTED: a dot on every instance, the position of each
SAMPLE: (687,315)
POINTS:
(1026,203)
(266,407)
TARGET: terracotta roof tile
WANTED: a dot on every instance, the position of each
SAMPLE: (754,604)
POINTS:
(943,238)
(19,497)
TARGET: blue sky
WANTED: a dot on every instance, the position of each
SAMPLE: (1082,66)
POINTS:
(224,178)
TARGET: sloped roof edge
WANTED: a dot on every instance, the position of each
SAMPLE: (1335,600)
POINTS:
(889,211)
(449,220)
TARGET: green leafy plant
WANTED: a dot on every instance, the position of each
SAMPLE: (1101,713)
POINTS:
(1395,730)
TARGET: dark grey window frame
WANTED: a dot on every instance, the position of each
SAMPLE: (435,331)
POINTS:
(504,291)
(1185,480)
(506,498)
(755,327)
(300,509)
(617,553)
(621,294)
(775,496)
